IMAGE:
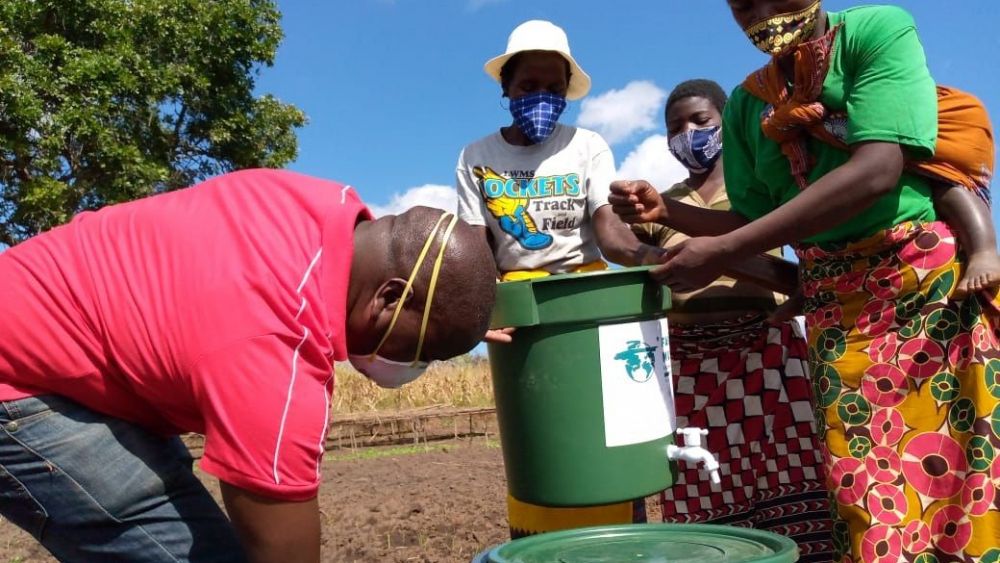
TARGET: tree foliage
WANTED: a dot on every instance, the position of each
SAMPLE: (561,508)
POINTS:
(103,101)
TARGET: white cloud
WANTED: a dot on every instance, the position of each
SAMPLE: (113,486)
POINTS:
(651,161)
(430,195)
(618,114)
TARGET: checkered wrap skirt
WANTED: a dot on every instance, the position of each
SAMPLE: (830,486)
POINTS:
(746,381)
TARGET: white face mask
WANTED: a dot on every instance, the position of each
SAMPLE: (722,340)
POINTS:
(390,373)
(387,373)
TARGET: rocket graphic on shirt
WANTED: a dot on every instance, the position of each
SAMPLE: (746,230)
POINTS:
(510,211)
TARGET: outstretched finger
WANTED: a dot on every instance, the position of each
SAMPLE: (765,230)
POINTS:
(622,199)
(500,336)
(623,187)
(627,207)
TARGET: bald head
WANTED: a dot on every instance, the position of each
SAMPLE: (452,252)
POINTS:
(466,284)
(464,293)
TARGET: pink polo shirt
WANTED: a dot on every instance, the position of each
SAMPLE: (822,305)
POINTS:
(216,309)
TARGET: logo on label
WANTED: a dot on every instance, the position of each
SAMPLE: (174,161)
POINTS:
(640,360)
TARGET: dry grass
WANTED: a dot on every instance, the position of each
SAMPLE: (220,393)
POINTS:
(460,382)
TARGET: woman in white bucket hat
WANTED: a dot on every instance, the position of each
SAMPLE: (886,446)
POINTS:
(538,191)
(540,35)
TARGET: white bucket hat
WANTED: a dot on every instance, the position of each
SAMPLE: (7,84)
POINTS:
(540,35)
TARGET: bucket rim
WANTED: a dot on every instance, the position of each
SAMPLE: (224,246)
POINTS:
(785,549)
(579,275)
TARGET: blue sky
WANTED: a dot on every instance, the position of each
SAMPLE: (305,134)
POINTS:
(395,88)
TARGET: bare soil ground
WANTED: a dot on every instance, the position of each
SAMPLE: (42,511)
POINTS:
(444,503)
(429,502)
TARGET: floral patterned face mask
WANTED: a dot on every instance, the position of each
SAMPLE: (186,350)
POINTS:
(779,34)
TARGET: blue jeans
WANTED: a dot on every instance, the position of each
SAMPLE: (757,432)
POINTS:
(91,488)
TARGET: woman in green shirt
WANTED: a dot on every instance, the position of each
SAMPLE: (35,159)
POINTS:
(907,377)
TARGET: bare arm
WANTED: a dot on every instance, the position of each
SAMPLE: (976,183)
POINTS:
(700,221)
(273,530)
(767,271)
(872,172)
(618,243)
(637,201)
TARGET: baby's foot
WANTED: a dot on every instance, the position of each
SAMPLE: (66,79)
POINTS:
(981,272)
(789,309)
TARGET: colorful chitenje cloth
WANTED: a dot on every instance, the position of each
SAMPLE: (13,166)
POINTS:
(745,380)
(908,393)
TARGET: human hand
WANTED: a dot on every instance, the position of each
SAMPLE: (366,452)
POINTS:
(637,201)
(499,335)
(692,264)
(650,255)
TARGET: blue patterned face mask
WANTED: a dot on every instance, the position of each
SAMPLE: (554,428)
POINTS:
(536,114)
(697,149)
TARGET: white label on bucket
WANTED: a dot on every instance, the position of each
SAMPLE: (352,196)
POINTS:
(635,379)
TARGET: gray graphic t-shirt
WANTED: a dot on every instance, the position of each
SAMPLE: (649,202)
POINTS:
(538,201)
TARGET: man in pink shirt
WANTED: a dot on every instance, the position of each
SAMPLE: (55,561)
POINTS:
(217,309)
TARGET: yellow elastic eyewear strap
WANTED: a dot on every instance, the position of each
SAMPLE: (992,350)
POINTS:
(433,285)
(413,275)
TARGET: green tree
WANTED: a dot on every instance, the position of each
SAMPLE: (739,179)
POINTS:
(103,101)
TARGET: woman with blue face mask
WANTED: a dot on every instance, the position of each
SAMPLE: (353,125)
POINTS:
(734,368)
(538,191)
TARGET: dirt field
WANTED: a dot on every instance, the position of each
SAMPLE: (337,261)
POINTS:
(442,501)
(438,502)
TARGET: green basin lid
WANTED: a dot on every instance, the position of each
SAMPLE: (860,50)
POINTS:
(648,543)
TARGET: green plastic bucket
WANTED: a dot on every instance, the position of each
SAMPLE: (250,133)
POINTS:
(583,394)
(647,543)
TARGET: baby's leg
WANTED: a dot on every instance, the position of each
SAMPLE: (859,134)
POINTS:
(969,217)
